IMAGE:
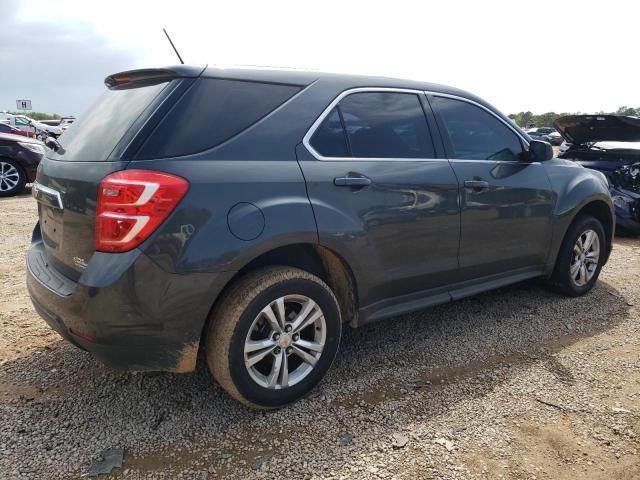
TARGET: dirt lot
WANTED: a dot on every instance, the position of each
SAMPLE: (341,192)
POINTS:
(515,384)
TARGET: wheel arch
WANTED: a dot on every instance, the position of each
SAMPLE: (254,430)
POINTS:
(315,259)
(602,211)
(597,207)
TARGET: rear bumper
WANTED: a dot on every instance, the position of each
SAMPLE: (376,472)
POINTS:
(125,310)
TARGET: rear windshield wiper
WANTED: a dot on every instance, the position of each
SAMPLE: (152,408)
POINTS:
(54,145)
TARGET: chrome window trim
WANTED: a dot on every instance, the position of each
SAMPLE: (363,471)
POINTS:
(306,139)
(488,110)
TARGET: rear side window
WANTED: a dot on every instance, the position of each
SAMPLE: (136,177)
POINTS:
(211,112)
(99,130)
(475,134)
(329,139)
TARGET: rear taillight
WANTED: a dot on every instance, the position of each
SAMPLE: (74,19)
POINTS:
(132,204)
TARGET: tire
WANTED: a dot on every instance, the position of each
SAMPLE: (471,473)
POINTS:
(12,178)
(575,283)
(238,322)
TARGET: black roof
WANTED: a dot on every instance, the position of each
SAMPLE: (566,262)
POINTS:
(304,78)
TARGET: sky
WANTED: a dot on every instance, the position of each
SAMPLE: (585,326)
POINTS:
(562,56)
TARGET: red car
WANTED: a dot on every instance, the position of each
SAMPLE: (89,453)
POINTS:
(19,161)
(4,128)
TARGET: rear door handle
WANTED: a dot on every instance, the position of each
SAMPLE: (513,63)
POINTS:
(360,181)
(476,184)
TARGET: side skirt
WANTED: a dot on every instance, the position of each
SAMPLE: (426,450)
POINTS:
(417,301)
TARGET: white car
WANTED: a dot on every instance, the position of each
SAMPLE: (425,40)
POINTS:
(27,124)
(42,130)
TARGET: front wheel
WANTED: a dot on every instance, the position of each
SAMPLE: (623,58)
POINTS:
(273,336)
(581,257)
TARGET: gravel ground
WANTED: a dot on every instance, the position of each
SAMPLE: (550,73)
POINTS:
(518,383)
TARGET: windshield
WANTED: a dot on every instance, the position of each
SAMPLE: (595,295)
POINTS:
(97,132)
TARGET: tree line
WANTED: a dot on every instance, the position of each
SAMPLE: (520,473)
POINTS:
(523,119)
(528,119)
(38,115)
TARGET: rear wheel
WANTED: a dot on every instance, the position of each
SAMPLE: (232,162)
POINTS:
(580,258)
(12,178)
(273,336)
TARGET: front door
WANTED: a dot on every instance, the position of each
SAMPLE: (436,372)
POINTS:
(506,200)
(382,195)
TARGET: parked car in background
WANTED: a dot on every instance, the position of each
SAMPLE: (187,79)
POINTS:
(7,128)
(19,159)
(555,138)
(611,145)
(551,134)
(26,124)
(254,212)
(41,130)
(51,123)
(534,134)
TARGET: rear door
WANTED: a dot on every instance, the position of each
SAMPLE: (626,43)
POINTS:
(383,196)
(506,200)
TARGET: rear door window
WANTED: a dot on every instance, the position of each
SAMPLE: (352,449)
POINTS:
(475,134)
(386,125)
(211,112)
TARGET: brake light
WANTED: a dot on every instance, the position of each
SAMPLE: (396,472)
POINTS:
(132,204)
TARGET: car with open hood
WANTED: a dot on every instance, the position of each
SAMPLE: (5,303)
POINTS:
(611,145)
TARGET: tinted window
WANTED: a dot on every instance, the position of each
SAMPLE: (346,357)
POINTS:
(329,139)
(386,125)
(475,134)
(4,128)
(105,123)
(212,111)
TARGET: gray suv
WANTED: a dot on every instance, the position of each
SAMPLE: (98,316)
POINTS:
(250,214)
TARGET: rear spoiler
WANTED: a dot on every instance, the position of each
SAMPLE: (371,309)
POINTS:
(146,76)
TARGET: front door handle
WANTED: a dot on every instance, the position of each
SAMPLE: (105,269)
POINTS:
(360,181)
(476,185)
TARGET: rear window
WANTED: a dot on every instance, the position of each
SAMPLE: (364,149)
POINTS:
(211,112)
(94,136)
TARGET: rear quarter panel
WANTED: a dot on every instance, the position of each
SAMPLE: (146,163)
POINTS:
(197,237)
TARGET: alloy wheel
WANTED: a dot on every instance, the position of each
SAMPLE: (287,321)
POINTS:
(585,258)
(9,177)
(285,341)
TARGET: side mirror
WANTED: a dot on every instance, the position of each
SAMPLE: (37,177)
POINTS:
(540,151)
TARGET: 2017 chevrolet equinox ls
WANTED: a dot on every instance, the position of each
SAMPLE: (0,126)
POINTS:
(252,213)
